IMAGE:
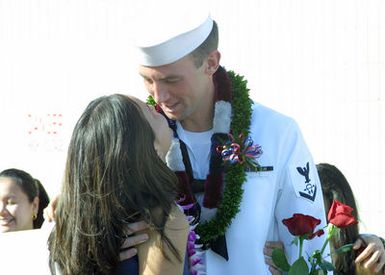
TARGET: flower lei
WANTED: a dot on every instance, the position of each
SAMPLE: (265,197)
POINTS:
(235,174)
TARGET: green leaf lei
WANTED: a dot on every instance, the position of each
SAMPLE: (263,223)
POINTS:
(235,174)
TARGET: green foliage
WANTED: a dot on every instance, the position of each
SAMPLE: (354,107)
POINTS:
(343,249)
(241,104)
(299,267)
(279,258)
(150,101)
(326,266)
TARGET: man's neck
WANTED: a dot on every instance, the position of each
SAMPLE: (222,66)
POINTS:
(202,119)
(199,125)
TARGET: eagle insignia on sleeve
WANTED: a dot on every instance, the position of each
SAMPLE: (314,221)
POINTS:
(310,190)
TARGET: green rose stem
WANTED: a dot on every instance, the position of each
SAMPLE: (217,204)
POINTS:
(331,230)
(300,246)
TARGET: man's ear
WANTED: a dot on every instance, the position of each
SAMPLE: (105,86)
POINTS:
(212,62)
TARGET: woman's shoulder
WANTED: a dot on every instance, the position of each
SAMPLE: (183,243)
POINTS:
(177,220)
(152,260)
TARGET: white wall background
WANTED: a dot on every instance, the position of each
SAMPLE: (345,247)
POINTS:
(321,62)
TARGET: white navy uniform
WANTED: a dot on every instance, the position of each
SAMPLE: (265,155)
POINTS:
(269,197)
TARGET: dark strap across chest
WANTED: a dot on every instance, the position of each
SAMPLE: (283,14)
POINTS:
(198,186)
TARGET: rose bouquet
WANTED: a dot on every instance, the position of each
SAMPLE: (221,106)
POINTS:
(303,228)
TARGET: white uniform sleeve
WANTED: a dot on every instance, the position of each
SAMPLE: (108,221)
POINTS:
(300,192)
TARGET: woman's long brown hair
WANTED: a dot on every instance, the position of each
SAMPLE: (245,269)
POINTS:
(113,176)
(336,187)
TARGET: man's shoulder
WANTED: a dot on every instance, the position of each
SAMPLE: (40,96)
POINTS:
(263,115)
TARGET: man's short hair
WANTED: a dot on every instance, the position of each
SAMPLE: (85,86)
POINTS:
(209,45)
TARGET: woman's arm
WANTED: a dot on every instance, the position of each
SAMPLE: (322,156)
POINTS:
(151,258)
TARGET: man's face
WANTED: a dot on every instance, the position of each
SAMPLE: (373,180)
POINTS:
(179,88)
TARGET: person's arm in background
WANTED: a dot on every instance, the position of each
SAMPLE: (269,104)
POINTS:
(151,259)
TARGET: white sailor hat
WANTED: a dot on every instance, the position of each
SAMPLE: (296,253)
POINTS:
(168,30)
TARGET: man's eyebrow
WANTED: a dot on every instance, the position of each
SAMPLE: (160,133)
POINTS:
(143,76)
(171,76)
(163,78)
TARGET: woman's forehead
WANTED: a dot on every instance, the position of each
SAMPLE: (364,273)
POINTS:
(9,186)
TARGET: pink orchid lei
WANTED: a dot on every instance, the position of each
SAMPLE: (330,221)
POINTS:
(194,251)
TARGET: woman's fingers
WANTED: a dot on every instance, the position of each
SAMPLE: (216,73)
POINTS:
(372,256)
(268,252)
(49,211)
(132,239)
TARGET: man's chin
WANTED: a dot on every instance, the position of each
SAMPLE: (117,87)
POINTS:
(172,115)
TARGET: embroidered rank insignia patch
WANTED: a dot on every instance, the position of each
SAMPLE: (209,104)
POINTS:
(302,182)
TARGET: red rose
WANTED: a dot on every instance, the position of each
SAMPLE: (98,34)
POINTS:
(341,214)
(318,233)
(300,225)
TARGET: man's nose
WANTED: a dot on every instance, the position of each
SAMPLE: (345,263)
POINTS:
(160,92)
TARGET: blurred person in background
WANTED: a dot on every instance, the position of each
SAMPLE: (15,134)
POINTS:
(22,200)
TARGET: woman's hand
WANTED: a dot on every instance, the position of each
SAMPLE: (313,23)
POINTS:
(268,252)
(372,256)
(49,211)
(133,238)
